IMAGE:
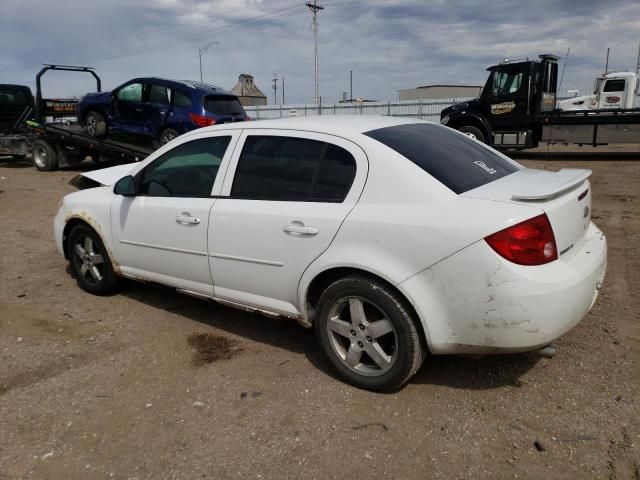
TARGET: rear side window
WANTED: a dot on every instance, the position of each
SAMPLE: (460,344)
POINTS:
(181,99)
(458,162)
(293,169)
(158,94)
(222,105)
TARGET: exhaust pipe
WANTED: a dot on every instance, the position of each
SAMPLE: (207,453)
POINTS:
(547,352)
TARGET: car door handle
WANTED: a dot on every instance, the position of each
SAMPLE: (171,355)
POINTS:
(187,219)
(298,229)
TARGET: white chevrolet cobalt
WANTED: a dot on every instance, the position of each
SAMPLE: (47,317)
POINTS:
(392,238)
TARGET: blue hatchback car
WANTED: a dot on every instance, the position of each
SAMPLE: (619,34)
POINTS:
(158,108)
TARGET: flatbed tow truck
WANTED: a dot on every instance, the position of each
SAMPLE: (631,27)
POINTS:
(517,110)
(55,141)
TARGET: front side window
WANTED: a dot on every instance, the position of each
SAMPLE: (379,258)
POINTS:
(614,85)
(131,93)
(293,169)
(188,170)
(505,83)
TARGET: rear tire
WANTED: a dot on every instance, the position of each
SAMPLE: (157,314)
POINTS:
(367,331)
(473,132)
(167,135)
(45,157)
(95,124)
(90,262)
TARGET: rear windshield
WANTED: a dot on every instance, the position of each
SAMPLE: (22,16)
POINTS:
(458,162)
(220,105)
(14,95)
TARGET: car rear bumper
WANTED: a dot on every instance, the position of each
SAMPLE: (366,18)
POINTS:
(477,302)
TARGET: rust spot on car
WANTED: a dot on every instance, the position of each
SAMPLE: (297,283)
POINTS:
(89,220)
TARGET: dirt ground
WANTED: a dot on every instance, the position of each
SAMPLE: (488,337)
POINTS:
(150,384)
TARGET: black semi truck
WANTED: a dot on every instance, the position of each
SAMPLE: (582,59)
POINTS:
(517,110)
(47,128)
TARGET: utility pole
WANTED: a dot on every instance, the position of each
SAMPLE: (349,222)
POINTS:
(283,102)
(350,85)
(638,60)
(201,51)
(275,89)
(315,8)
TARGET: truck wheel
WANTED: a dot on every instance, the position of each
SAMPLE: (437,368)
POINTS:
(96,125)
(45,156)
(472,132)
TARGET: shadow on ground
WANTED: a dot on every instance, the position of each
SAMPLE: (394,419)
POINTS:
(486,373)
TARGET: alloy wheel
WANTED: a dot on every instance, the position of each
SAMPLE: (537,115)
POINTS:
(362,336)
(89,260)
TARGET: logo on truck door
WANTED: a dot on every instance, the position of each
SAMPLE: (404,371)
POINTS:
(504,107)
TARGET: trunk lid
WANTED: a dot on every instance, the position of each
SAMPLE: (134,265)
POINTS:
(565,196)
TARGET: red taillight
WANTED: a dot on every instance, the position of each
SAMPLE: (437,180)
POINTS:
(528,243)
(201,120)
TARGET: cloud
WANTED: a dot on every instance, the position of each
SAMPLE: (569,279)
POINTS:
(390,45)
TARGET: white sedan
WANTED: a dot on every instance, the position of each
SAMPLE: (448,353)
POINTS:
(392,238)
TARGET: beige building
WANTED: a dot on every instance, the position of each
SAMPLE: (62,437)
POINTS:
(247,92)
(433,92)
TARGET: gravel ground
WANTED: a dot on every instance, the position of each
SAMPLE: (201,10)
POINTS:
(152,384)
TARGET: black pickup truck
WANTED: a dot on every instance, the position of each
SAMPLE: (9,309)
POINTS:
(16,106)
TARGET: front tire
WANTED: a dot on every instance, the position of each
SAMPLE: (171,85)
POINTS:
(367,331)
(90,261)
(95,124)
(473,132)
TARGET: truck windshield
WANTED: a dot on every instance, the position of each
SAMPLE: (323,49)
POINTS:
(458,162)
(14,95)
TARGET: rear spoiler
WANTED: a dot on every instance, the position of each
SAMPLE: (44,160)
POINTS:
(560,182)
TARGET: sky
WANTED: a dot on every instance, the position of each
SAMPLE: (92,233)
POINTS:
(389,44)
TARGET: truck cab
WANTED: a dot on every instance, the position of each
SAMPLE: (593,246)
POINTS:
(504,115)
(616,90)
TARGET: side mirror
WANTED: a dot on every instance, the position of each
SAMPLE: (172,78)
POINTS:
(126,187)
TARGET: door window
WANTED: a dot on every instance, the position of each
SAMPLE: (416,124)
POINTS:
(131,93)
(188,170)
(158,94)
(506,83)
(614,85)
(293,169)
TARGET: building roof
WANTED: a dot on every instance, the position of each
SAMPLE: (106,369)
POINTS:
(246,88)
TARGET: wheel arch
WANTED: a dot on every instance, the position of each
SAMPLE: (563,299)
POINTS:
(314,288)
(472,120)
(84,219)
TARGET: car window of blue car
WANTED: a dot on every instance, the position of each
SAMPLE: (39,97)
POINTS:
(181,99)
(188,170)
(130,93)
(158,94)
